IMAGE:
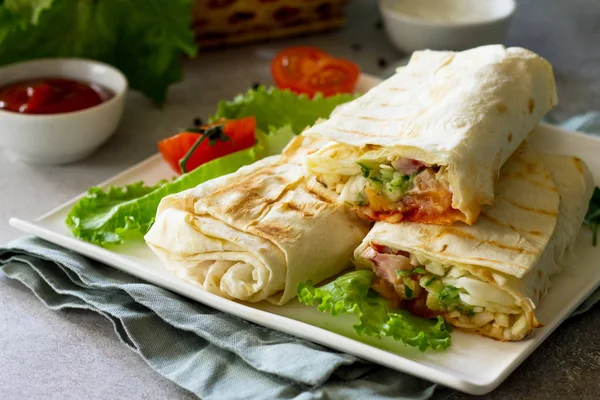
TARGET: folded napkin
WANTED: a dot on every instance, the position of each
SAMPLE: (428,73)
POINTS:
(212,354)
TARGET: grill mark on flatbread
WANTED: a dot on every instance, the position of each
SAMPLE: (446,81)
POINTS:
(466,235)
(317,195)
(577,162)
(535,233)
(531,105)
(250,195)
(449,230)
(299,208)
(530,166)
(273,231)
(498,222)
(475,259)
(519,250)
(550,213)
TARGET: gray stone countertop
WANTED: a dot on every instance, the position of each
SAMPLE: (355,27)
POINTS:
(75,355)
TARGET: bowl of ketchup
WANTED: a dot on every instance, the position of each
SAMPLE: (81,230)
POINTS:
(57,111)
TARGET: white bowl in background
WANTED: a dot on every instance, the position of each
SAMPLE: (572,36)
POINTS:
(445,24)
(65,137)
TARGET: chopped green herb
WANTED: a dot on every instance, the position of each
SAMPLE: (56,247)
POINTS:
(426,280)
(366,171)
(418,270)
(408,292)
(592,218)
(449,299)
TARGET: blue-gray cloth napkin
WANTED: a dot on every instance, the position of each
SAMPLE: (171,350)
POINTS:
(210,353)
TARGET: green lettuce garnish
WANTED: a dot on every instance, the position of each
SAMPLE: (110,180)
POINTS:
(112,216)
(351,294)
(275,107)
(145,39)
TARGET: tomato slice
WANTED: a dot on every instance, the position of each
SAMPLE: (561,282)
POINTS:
(311,70)
(241,135)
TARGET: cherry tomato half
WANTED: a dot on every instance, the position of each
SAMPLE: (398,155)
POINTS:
(241,135)
(310,70)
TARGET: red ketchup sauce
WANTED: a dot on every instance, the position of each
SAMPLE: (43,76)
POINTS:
(51,96)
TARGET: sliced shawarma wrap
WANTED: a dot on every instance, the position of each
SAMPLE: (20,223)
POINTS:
(488,277)
(252,235)
(427,144)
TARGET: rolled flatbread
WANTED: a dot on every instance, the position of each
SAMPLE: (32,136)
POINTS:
(487,277)
(427,144)
(255,234)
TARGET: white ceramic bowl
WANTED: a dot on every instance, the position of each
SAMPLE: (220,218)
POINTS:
(66,137)
(445,24)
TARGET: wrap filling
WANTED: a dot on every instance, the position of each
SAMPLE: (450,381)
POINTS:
(428,288)
(391,189)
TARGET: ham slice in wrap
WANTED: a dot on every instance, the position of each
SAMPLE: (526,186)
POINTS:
(255,234)
(426,145)
(490,276)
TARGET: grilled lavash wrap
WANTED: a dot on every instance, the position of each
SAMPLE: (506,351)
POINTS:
(488,277)
(255,234)
(427,144)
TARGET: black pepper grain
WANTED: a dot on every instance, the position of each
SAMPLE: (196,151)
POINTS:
(382,62)
(197,121)
(379,25)
(255,85)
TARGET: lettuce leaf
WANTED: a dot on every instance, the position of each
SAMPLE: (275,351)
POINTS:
(112,216)
(351,294)
(275,107)
(145,41)
(275,140)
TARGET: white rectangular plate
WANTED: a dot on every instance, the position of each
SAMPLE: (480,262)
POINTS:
(473,364)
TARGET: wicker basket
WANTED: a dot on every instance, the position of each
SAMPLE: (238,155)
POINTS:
(229,22)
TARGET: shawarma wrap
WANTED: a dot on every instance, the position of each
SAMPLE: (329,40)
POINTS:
(427,144)
(490,276)
(252,235)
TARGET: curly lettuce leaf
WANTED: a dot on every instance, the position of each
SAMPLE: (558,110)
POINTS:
(145,41)
(351,294)
(112,216)
(275,107)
